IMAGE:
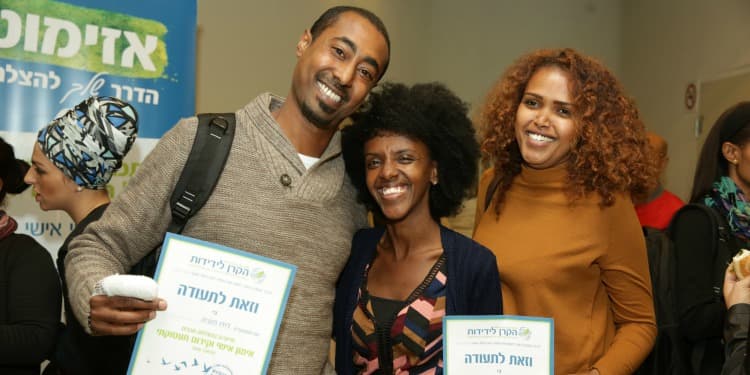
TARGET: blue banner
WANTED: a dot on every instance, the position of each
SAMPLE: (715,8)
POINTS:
(54,54)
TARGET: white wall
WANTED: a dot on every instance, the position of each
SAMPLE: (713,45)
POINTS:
(246,47)
(474,41)
(668,44)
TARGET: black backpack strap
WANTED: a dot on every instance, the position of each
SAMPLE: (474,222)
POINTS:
(723,255)
(213,140)
(724,252)
(726,244)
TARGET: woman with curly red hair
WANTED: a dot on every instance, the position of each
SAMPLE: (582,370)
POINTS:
(569,152)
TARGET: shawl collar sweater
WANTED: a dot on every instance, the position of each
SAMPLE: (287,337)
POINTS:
(308,223)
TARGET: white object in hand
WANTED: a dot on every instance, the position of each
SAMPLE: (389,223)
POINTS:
(136,286)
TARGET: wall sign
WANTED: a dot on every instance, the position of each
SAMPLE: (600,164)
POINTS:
(691,96)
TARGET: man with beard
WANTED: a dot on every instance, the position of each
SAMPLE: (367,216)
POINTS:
(283,193)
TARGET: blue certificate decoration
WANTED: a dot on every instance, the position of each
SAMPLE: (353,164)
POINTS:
(498,344)
(224,309)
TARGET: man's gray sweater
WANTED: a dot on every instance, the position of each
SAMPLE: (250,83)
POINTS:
(265,202)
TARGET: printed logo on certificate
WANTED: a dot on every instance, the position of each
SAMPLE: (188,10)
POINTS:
(498,344)
(224,309)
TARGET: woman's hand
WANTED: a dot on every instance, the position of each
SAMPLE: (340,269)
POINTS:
(735,290)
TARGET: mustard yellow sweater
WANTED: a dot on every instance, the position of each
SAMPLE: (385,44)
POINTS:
(582,265)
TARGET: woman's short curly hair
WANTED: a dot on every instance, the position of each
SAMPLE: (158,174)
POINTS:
(611,152)
(429,113)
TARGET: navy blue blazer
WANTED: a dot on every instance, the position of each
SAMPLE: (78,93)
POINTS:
(473,284)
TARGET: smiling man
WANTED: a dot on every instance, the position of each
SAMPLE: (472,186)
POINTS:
(283,193)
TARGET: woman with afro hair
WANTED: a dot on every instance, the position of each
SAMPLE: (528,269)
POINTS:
(413,156)
(568,153)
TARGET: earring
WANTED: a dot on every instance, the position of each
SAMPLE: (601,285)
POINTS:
(79,189)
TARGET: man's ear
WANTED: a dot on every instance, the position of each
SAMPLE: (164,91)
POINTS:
(304,42)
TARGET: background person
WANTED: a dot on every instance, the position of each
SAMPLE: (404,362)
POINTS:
(29,286)
(721,183)
(73,159)
(568,152)
(413,157)
(657,209)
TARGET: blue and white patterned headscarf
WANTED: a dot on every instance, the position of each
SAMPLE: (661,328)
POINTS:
(88,142)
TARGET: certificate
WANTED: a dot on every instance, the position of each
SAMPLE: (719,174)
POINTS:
(224,309)
(498,344)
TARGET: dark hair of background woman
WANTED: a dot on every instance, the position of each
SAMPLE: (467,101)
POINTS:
(429,113)
(12,171)
(731,126)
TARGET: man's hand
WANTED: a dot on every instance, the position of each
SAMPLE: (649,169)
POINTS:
(120,316)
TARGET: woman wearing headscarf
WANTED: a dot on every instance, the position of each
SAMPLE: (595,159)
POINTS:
(74,158)
(29,287)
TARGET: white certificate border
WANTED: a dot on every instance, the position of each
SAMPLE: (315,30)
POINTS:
(505,318)
(211,246)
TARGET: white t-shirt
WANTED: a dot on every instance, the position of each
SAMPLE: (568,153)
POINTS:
(308,161)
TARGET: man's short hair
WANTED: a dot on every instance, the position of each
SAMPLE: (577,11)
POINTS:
(331,15)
